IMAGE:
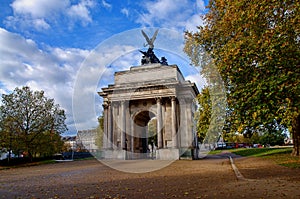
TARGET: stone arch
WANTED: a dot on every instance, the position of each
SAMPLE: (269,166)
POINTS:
(140,130)
(139,94)
(151,111)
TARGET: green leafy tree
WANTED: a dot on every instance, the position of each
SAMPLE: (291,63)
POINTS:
(255,47)
(272,134)
(30,119)
(99,130)
(211,120)
(272,138)
(47,144)
(203,114)
(8,140)
(152,132)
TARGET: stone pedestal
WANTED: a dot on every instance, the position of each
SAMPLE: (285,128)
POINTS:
(167,154)
(115,154)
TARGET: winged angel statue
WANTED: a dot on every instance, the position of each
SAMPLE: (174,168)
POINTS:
(150,42)
(149,56)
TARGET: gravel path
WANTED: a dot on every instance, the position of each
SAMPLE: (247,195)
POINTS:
(211,177)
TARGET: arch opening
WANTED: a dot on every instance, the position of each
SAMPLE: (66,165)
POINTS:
(145,138)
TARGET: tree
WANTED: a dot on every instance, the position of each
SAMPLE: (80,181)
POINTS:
(214,93)
(273,134)
(47,144)
(152,131)
(7,138)
(31,120)
(255,47)
(99,130)
(203,116)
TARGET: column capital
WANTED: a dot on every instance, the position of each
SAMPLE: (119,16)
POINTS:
(173,98)
(105,105)
(158,100)
(124,102)
(181,100)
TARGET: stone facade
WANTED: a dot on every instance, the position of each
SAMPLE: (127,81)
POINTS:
(140,94)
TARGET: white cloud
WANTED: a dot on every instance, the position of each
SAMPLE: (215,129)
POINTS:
(95,71)
(106,5)
(39,8)
(125,11)
(52,70)
(58,71)
(194,22)
(200,5)
(41,14)
(81,11)
(174,14)
(40,24)
(198,79)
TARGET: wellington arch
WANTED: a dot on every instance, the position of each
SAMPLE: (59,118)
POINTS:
(152,90)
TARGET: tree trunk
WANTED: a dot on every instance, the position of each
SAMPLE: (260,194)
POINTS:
(296,135)
(30,156)
(29,151)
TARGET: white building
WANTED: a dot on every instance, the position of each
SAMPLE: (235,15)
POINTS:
(87,139)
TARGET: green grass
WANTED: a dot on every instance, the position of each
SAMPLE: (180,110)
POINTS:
(281,156)
(40,162)
(213,152)
(27,164)
(260,152)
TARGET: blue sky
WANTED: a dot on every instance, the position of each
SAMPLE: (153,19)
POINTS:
(45,44)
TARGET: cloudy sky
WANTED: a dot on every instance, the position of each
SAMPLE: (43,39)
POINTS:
(71,48)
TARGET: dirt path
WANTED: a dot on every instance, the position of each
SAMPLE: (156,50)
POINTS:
(212,177)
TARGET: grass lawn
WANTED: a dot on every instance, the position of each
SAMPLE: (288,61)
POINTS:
(34,163)
(26,164)
(281,156)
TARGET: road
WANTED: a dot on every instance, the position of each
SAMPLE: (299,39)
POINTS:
(211,177)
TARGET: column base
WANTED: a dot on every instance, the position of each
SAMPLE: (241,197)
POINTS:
(187,154)
(167,154)
(111,154)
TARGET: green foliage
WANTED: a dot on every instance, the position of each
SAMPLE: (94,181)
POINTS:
(203,116)
(100,127)
(212,103)
(46,144)
(255,47)
(152,126)
(272,138)
(281,156)
(30,122)
(258,152)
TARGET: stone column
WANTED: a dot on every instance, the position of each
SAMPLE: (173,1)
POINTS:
(132,136)
(188,114)
(115,125)
(183,123)
(123,125)
(159,124)
(173,115)
(105,107)
(109,127)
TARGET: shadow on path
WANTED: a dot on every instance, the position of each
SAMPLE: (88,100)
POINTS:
(223,155)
